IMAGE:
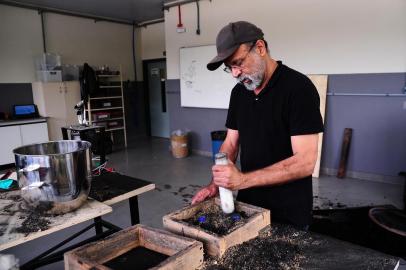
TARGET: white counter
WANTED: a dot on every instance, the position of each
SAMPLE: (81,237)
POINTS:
(16,133)
(5,123)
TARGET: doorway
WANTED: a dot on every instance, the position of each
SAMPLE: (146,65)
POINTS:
(157,107)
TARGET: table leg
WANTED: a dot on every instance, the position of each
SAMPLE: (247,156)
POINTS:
(102,146)
(98,225)
(65,133)
(135,216)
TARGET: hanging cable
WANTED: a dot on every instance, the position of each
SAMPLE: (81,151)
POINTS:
(133,54)
(41,12)
(198,18)
(179,18)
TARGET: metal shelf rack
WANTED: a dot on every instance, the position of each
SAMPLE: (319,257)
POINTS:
(110,100)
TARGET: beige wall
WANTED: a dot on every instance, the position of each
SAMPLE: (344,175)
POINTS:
(153,41)
(151,44)
(20,41)
(313,36)
(80,40)
(77,40)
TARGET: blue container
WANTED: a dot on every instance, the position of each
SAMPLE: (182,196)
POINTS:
(217,139)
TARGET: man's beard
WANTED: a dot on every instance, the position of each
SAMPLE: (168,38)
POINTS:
(254,80)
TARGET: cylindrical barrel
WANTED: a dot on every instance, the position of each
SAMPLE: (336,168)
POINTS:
(54,177)
(179,145)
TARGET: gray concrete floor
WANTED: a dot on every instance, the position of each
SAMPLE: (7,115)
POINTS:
(178,179)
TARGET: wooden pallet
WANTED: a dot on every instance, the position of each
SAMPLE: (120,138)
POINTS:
(184,253)
(214,244)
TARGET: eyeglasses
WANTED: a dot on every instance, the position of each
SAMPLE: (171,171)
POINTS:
(239,63)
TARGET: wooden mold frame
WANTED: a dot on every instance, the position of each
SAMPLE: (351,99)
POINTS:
(216,245)
(184,253)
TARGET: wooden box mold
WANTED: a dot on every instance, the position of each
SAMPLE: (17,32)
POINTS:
(184,253)
(216,245)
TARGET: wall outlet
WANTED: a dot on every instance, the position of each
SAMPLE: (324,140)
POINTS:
(404,105)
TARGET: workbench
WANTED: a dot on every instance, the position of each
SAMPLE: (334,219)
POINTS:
(13,213)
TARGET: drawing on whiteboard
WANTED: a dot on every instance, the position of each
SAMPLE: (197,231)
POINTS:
(189,84)
(189,76)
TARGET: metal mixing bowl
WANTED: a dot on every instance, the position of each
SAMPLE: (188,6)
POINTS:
(54,177)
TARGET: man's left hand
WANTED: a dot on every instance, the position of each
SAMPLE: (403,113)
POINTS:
(228,176)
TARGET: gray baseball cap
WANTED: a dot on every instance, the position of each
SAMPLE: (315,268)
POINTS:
(230,38)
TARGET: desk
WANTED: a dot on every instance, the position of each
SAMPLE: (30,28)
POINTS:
(12,212)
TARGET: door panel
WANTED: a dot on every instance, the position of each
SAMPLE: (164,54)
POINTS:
(72,97)
(54,100)
(55,128)
(157,99)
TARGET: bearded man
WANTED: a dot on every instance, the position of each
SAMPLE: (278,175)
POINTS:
(274,120)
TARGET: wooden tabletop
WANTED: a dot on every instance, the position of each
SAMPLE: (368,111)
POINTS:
(13,214)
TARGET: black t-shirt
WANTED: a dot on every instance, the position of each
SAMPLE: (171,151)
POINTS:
(287,106)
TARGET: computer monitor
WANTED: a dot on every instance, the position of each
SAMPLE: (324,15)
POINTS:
(25,111)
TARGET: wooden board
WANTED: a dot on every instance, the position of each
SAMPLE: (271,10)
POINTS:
(130,194)
(184,253)
(9,220)
(216,245)
(320,81)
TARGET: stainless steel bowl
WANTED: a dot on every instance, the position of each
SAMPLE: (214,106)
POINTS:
(54,177)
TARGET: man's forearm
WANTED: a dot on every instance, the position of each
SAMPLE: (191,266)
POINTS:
(231,150)
(287,170)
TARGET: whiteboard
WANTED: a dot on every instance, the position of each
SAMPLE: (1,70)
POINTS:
(200,87)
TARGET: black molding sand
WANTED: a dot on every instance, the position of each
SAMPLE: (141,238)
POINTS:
(33,223)
(215,221)
(283,247)
(139,258)
(34,220)
(104,187)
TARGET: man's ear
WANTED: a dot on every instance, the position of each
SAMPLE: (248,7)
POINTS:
(261,47)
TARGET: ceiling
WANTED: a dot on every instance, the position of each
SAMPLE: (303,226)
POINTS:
(124,10)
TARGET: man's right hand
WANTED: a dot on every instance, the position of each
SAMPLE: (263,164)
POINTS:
(205,193)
